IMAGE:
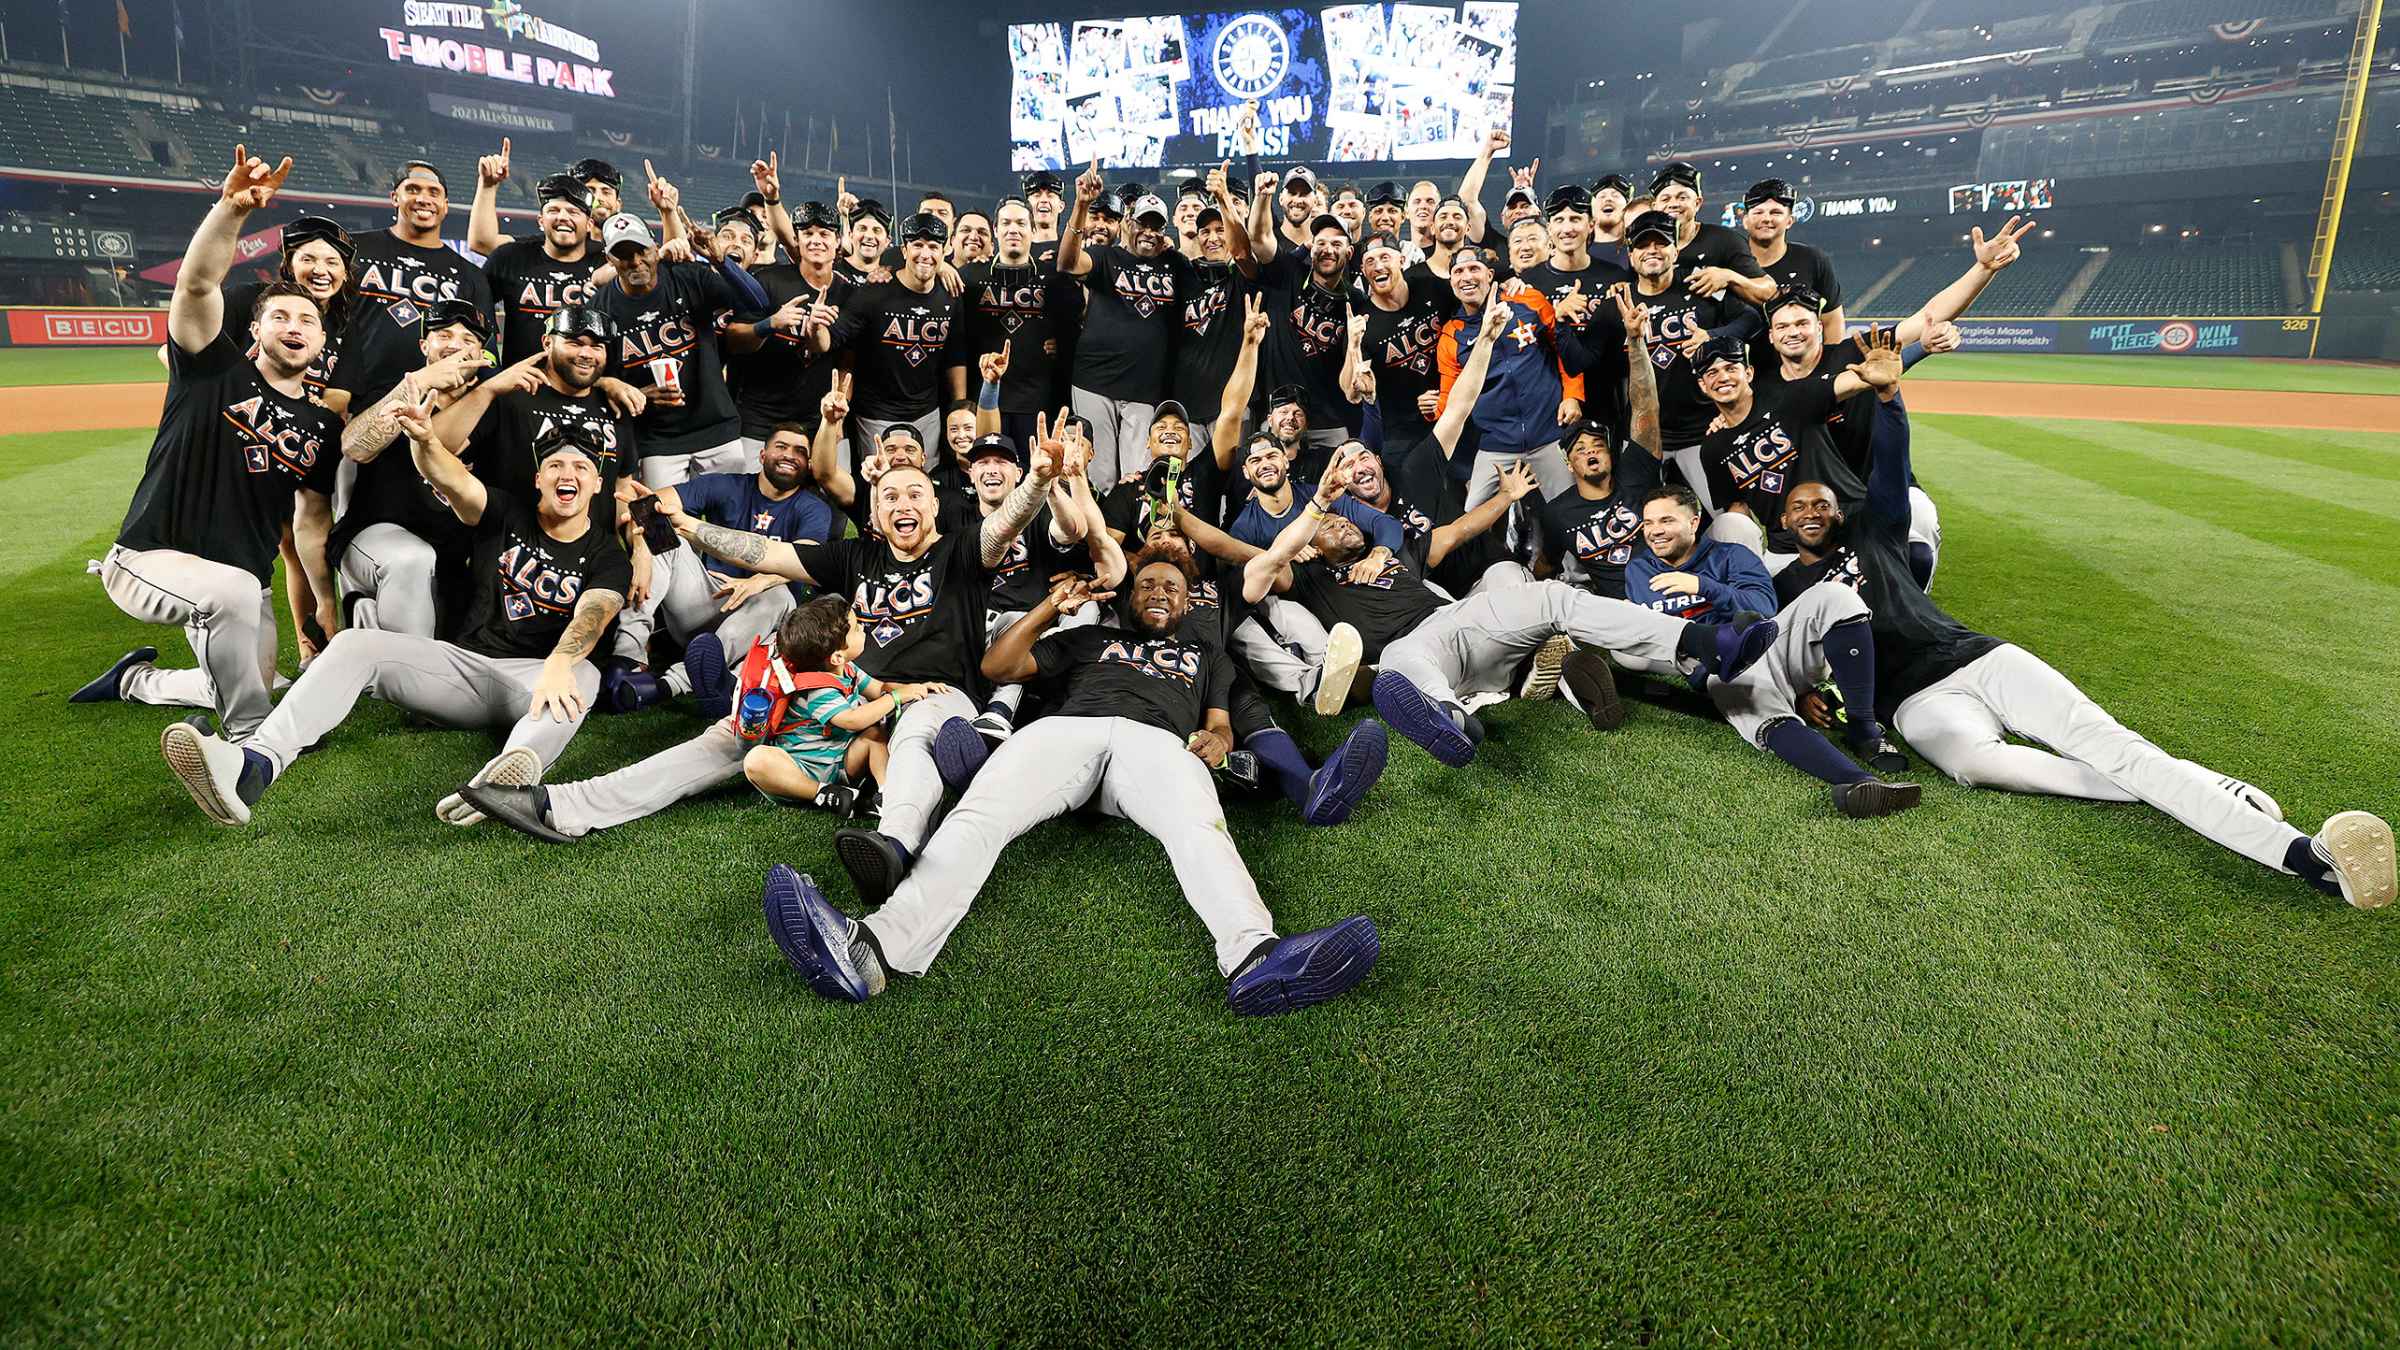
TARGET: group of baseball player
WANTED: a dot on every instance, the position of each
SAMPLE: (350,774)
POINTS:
(954,523)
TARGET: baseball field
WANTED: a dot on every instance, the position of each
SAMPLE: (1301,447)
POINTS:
(1660,1049)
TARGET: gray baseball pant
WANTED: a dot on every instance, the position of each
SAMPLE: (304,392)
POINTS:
(1129,770)
(709,760)
(691,607)
(667,470)
(912,787)
(1769,691)
(391,571)
(1734,527)
(1287,656)
(1925,526)
(1961,724)
(437,680)
(227,617)
(1475,645)
(1549,469)
(1120,437)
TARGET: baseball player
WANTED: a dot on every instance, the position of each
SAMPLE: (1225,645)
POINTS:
(668,345)
(1046,204)
(900,335)
(401,271)
(1767,219)
(240,447)
(1681,321)
(1121,357)
(1527,396)
(547,578)
(1018,308)
(1140,722)
(867,234)
(897,446)
(1709,258)
(922,594)
(1591,530)
(1959,696)
(1399,343)
(1216,290)
(1612,196)
(604,187)
(1306,294)
(783,380)
(1758,449)
(1573,269)
(1801,355)
(533,275)
(397,532)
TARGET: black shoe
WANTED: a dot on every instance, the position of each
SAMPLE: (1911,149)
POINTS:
(1862,801)
(519,808)
(1242,770)
(1878,753)
(839,799)
(875,861)
(108,688)
(1592,686)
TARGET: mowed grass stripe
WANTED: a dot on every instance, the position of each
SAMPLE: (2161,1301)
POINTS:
(2341,539)
(2362,493)
(70,479)
(2167,372)
(2364,454)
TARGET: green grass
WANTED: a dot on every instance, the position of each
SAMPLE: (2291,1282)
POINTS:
(1660,1049)
(20,366)
(2170,372)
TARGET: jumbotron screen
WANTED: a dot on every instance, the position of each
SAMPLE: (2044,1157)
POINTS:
(1353,83)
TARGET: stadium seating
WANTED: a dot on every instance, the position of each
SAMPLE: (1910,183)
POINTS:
(2166,20)
(46,130)
(2164,281)
(2365,262)
(2030,287)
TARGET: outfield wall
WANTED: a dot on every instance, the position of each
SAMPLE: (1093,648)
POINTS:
(2149,335)
(58,326)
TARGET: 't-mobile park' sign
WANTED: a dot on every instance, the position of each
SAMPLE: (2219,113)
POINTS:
(510,20)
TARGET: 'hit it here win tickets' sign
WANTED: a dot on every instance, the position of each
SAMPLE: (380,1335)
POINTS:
(1352,83)
(511,21)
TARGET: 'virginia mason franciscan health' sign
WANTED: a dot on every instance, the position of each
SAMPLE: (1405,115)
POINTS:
(509,21)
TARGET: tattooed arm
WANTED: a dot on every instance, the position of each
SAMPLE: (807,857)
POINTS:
(556,693)
(1004,524)
(754,551)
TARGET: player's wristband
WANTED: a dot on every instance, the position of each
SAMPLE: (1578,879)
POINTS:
(989,398)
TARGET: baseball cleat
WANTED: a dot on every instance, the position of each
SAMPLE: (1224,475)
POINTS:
(217,773)
(108,688)
(1242,769)
(1881,755)
(712,687)
(839,798)
(1590,686)
(1422,720)
(519,767)
(1864,801)
(1341,783)
(519,808)
(1738,647)
(2357,845)
(625,691)
(2251,797)
(1298,972)
(876,862)
(958,753)
(1343,651)
(1541,678)
(994,728)
(819,941)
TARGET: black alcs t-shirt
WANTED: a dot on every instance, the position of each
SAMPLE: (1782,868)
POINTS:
(1403,348)
(924,616)
(899,343)
(786,378)
(1024,306)
(1129,328)
(677,322)
(1802,265)
(1382,610)
(500,449)
(230,453)
(1162,682)
(1022,578)
(1717,246)
(1759,461)
(531,286)
(1208,338)
(527,583)
(1683,411)
(396,282)
(1589,540)
(1308,331)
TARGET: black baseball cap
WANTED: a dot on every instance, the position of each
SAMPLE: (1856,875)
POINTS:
(1768,190)
(995,444)
(924,225)
(816,216)
(1192,187)
(1676,171)
(1648,223)
(1129,192)
(564,436)
(1208,214)
(1722,349)
(309,229)
(580,321)
(564,187)
(1044,180)
(1300,174)
(443,313)
(1287,393)
(1326,221)
(1385,194)
(740,213)
(596,170)
(1803,296)
(414,167)
(871,209)
(1515,195)
(1168,407)
(1613,182)
(1568,197)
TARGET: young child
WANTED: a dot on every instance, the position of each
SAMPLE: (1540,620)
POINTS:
(831,733)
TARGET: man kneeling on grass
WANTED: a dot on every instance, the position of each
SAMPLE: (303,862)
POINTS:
(1141,720)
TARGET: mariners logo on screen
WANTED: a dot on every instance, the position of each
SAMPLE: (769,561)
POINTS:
(1251,56)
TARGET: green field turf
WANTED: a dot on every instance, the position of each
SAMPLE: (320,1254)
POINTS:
(1660,1050)
(2170,372)
(79,365)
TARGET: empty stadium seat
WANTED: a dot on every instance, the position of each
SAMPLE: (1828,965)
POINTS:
(2187,281)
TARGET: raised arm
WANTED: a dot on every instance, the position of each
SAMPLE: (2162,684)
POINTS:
(1009,660)
(1016,511)
(1225,434)
(1213,541)
(1470,187)
(1270,569)
(1641,377)
(483,218)
(1516,480)
(369,433)
(1887,477)
(1459,395)
(1072,260)
(449,475)
(825,451)
(767,175)
(1991,255)
(754,551)
(197,312)
(1264,241)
